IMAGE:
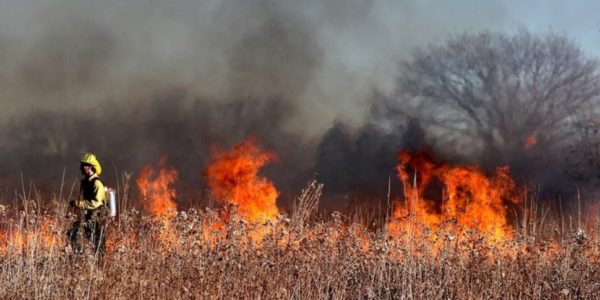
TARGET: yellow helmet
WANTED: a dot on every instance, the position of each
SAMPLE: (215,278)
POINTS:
(90,159)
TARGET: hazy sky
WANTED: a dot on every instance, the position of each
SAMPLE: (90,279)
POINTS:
(324,57)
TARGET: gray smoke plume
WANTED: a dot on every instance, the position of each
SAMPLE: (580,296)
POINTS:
(141,81)
(135,80)
(324,58)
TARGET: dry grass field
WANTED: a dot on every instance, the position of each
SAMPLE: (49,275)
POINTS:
(485,239)
(201,254)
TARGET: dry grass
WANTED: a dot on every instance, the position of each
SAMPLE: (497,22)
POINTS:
(299,257)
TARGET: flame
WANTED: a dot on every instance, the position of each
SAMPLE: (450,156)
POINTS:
(158,196)
(156,189)
(530,141)
(471,200)
(233,178)
(41,236)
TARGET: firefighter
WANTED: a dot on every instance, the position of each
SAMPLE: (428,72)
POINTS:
(91,221)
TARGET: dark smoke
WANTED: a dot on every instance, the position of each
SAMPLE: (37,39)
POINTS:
(43,143)
(133,81)
(361,163)
(131,94)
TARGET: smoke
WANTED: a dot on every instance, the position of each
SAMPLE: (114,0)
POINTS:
(323,58)
(43,143)
(135,80)
(361,162)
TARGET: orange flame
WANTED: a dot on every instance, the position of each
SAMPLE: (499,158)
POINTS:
(41,236)
(471,199)
(156,189)
(158,196)
(233,178)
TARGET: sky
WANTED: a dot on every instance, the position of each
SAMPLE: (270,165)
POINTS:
(326,58)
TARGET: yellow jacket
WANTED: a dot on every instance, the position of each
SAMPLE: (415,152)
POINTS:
(93,193)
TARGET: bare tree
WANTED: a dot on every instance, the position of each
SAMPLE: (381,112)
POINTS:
(501,94)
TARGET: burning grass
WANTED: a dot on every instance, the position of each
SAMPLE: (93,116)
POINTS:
(464,245)
(302,256)
(471,200)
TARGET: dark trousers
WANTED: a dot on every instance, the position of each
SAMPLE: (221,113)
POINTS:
(92,226)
